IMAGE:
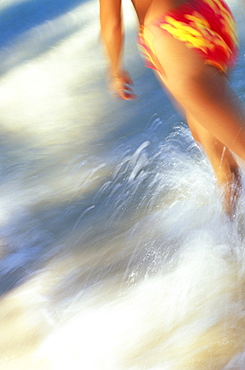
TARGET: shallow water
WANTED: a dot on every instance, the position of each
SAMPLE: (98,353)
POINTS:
(115,252)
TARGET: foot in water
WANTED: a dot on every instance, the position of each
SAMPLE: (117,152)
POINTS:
(232,192)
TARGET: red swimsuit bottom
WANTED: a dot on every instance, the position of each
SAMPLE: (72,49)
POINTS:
(206,26)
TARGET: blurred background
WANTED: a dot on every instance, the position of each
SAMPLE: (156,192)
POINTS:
(115,253)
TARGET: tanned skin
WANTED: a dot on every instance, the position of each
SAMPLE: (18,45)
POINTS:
(214,114)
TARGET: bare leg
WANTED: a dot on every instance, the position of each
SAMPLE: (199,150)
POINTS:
(215,116)
(201,90)
(223,163)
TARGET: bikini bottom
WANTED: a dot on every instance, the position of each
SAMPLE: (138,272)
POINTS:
(206,26)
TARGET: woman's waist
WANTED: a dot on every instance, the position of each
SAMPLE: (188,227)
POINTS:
(159,7)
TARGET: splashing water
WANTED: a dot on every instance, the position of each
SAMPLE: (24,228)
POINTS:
(151,277)
(115,251)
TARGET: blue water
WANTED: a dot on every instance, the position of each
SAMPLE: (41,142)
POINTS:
(115,253)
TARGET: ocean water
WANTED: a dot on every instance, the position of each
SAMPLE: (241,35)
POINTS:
(115,253)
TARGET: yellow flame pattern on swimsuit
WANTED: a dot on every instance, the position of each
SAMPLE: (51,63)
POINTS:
(207,26)
(146,49)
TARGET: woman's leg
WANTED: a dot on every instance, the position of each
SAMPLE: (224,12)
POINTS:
(222,161)
(215,116)
(202,91)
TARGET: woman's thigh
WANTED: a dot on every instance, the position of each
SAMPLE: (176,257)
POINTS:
(202,90)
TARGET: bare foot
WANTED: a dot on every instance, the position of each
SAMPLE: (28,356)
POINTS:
(232,192)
